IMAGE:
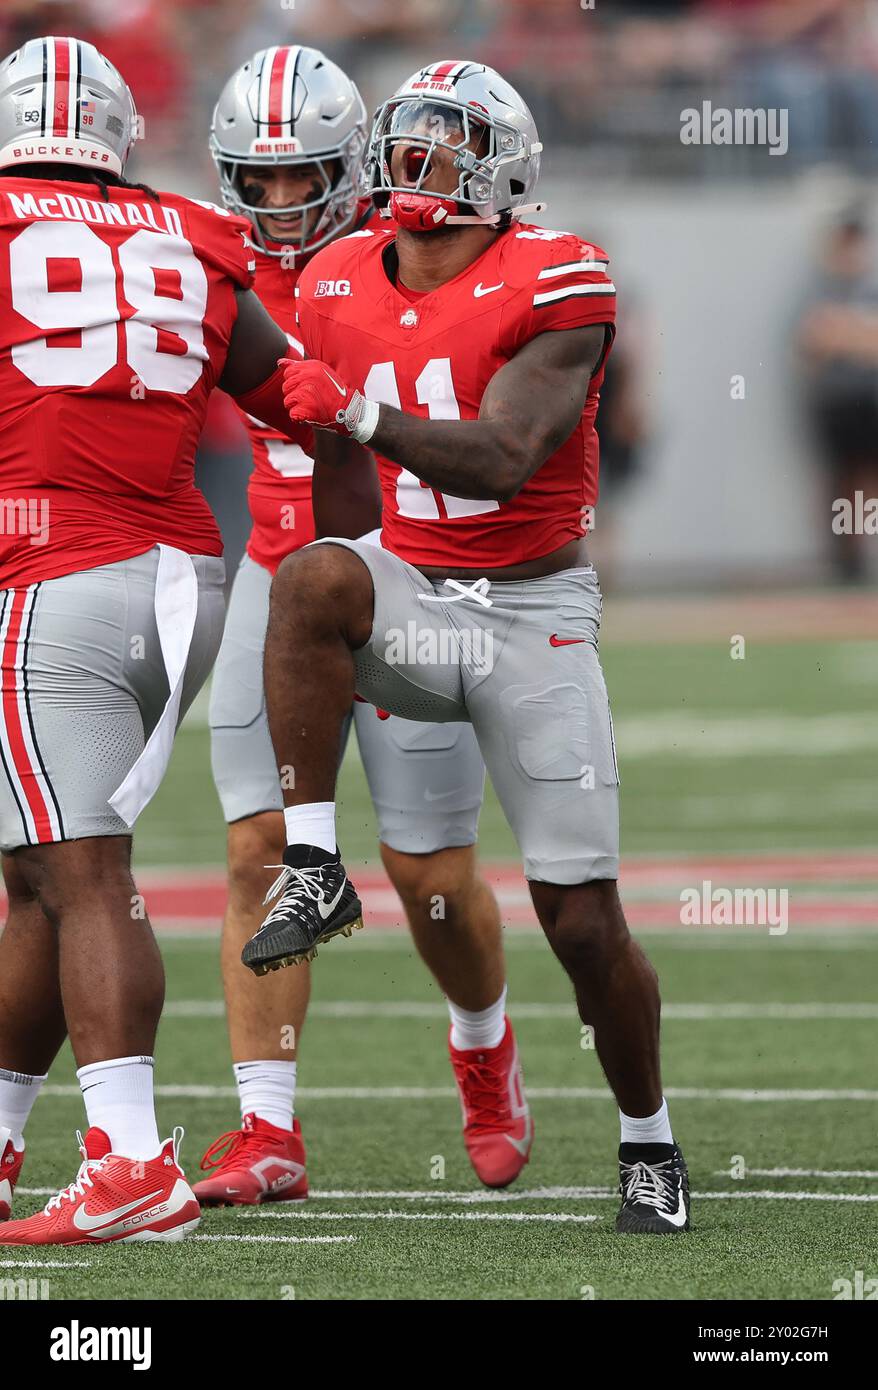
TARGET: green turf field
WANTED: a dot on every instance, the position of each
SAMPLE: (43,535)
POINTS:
(546,1244)
(779,750)
(775,752)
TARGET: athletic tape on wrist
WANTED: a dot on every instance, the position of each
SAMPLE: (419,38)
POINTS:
(360,419)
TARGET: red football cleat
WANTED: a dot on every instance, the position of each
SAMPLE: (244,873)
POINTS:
(497,1127)
(257,1163)
(113,1198)
(10,1167)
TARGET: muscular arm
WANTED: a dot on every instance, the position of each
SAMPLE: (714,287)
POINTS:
(530,407)
(344,489)
(255,347)
(251,373)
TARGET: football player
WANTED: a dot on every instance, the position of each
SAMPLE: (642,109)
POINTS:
(288,136)
(120,310)
(469,355)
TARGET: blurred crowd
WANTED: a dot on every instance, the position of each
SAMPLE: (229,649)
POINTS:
(607,81)
(609,76)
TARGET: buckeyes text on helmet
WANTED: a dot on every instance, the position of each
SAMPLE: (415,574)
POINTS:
(63,102)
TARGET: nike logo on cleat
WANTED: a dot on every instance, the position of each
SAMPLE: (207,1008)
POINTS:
(676,1218)
(326,909)
(84,1221)
(522,1145)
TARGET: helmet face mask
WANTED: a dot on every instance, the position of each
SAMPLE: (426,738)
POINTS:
(433,140)
(460,116)
(283,109)
(294,194)
(321,216)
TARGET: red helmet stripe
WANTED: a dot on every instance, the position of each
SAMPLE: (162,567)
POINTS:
(276,91)
(443,70)
(61,105)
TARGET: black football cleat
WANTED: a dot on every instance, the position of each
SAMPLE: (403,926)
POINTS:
(654,1186)
(315,901)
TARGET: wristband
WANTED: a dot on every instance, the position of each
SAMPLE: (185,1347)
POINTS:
(360,419)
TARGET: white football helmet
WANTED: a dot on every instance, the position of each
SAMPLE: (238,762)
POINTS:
(471,111)
(63,102)
(291,105)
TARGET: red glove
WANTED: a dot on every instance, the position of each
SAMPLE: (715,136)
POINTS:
(314,395)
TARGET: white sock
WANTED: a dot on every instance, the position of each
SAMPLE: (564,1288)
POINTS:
(654,1129)
(311,825)
(479,1028)
(119,1100)
(267,1089)
(18,1091)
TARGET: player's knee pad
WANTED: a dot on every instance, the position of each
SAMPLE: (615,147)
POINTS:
(560,731)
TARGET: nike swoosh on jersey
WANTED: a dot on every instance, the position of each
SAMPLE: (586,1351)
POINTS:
(556,641)
(84,1221)
(326,909)
(481,289)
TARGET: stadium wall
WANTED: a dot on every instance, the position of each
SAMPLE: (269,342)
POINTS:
(729,491)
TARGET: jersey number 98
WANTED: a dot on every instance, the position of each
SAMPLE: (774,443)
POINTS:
(147,260)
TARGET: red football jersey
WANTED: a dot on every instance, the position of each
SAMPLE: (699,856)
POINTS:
(279,491)
(115,319)
(433,355)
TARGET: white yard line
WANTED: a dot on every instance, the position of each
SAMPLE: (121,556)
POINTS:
(408,1008)
(293,1210)
(700,733)
(553,1217)
(296,1211)
(803,1173)
(534,1092)
(469,1197)
(283,1240)
(769,1196)
(286,1211)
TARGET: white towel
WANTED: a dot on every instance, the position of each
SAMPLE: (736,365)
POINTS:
(176,608)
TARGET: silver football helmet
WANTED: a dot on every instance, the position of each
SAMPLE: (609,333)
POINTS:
(291,105)
(63,102)
(469,110)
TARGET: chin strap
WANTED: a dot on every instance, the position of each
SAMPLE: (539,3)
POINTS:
(459,219)
(497,219)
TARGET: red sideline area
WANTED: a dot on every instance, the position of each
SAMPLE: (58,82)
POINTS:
(827,890)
